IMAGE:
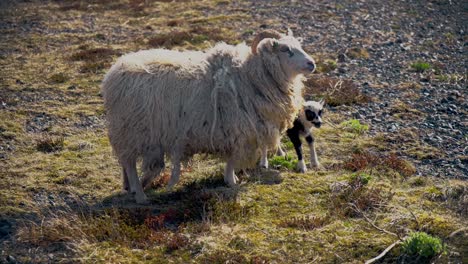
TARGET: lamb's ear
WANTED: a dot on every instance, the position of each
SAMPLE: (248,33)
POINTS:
(322,102)
(290,33)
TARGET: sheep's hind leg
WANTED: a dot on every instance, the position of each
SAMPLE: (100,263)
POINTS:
(313,154)
(280,152)
(175,174)
(153,164)
(134,182)
(264,158)
(230,177)
(125,184)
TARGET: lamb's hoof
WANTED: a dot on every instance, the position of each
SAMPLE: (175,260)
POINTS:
(301,167)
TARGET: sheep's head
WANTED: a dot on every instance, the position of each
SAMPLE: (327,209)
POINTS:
(313,112)
(286,48)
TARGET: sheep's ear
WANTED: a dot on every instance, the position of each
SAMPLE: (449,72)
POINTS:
(275,44)
(290,33)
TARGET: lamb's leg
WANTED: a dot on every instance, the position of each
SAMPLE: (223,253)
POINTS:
(313,155)
(125,185)
(301,167)
(230,177)
(264,158)
(153,164)
(134,182)
(175,175)
(280,152)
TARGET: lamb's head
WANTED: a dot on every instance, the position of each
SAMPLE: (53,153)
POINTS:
(285,50)
(313,112)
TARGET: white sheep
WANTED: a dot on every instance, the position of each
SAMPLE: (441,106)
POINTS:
(228,101)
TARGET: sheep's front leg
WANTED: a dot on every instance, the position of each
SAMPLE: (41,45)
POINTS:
(313,155)
(298,147)
(264,158)
(230,177)
(134,182)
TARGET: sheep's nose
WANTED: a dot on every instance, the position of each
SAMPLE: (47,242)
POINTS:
(311,66)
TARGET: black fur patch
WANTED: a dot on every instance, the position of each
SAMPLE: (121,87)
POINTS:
(310,115)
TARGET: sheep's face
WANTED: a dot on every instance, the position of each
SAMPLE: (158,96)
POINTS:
(313,112)
(292,57)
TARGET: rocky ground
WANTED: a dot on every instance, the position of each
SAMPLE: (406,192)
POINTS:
(396,34)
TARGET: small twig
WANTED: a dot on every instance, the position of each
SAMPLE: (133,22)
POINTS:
(383,253)
(372,223)
(457,231)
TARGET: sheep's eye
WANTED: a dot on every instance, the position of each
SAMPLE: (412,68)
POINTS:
(320,113)
(288,50)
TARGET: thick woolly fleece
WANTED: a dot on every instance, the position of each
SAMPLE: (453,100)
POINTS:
(225,101)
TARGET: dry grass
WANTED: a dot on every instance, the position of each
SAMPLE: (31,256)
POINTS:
(60,200)
(369,161)
(305,222)
(49,144)
(335,91)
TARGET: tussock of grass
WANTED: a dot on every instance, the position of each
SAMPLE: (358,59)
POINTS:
(420,66)
(93,54)
(335,91)
(358,53)
(196,35)
(305,222)
(354,126)
(49,144)
(369,161)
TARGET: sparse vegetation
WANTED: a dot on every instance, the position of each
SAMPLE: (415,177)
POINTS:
(358,53)
(50,144)
(420,66)
(286,162)
(336,92)
(60,198)
(354,126)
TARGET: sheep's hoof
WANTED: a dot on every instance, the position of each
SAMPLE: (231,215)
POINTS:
(280,153)
(263,164)
(141,199)
(316,165)
(231,181)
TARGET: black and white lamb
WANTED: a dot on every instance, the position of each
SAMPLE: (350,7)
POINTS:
(310,116)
